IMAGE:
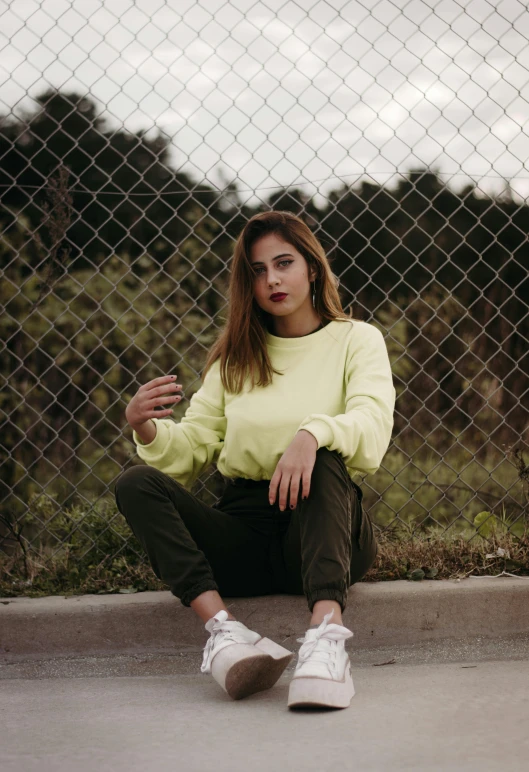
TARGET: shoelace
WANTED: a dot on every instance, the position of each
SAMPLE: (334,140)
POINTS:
(221,630)
(321,646)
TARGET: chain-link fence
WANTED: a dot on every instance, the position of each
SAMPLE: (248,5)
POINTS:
(386,125)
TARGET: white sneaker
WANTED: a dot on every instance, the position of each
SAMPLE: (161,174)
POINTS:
(323,672)
(240,660)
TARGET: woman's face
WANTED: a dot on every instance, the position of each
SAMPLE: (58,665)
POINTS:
(278,267)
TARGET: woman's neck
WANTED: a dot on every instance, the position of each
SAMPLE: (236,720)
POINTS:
(317,326)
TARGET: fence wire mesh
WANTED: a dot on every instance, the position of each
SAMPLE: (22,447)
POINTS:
(116,240)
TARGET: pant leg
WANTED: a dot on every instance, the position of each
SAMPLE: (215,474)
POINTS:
(191,546)
(329,543)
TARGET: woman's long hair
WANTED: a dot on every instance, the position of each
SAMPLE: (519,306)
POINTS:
(241,344)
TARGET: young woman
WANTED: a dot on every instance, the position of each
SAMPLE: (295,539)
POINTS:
(296,398)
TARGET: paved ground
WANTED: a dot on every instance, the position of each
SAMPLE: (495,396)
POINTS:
(452,705)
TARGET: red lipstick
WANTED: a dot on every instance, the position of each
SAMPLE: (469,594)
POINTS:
(278,296)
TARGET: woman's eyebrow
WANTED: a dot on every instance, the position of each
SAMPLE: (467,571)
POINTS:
(285,254)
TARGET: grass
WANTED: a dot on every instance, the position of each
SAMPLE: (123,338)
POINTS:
(445,527)
(446,555)
(96,558)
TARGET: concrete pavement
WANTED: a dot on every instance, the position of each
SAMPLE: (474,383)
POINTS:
(113,682)
(455,716)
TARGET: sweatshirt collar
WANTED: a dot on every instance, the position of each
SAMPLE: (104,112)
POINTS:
(304,341)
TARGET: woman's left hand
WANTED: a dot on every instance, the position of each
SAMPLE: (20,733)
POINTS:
(296,462)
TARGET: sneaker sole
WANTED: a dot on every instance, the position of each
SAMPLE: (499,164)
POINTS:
(244,668)
(307,692)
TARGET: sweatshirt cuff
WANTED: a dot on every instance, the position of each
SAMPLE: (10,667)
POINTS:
(319,429)
(152,447)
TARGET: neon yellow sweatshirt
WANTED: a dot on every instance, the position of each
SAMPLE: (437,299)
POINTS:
(337,384)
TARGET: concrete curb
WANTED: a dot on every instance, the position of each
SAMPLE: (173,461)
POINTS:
(379,614)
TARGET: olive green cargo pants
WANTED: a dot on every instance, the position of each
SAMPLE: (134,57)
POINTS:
(244,546)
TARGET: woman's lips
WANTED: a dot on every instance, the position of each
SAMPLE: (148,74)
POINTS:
(277,298)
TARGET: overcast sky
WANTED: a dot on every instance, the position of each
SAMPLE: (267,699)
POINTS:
(282,93)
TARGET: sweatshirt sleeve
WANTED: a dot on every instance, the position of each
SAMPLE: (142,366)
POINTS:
(362,434)
(184,450)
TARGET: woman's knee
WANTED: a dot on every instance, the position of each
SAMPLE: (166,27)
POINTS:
(138,481)
(330,482)
(141,483)
(329,462)
(325,456)
(132,476)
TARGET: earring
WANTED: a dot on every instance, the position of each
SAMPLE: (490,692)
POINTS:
(314,295)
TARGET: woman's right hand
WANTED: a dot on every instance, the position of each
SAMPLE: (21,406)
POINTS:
(156,392)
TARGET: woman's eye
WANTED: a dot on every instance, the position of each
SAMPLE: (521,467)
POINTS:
(281,262)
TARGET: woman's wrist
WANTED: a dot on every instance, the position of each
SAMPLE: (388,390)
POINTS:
(146,431)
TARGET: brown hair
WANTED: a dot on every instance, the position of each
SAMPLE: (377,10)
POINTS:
(241,345)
